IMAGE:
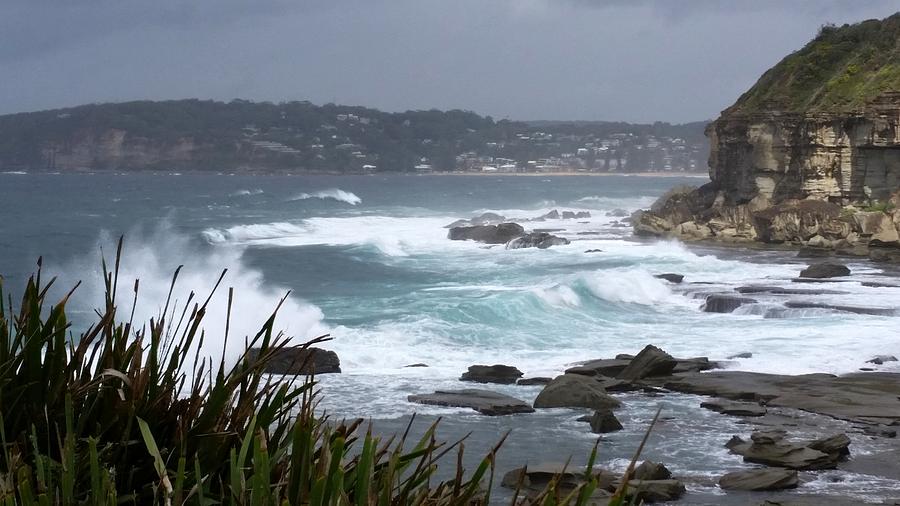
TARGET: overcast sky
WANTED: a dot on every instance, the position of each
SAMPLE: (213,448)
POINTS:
(630,60)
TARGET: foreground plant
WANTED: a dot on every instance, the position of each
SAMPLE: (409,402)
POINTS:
(134,415)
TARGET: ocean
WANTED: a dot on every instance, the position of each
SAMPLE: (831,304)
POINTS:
(366,260)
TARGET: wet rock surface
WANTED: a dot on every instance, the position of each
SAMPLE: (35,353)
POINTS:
(483,401)
(720,303)
(497,373)
(825,270)
(540,240)
(604,421)
(760,480)
(734,408)
(488,234)
(575,391)
(772,449)
(300,360)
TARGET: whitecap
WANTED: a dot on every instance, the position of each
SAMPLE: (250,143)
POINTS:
(330,194)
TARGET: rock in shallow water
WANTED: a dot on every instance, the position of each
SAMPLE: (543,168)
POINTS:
(483,401)
(825,270)
(489,234)
(299,360)
(651,361)
(760,480)
(540,240)
(497,373)
(670,277)
(604,421)
(734,408)
(769,448)
(575,391)
(725,303)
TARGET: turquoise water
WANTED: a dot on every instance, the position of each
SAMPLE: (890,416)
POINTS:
(366,260)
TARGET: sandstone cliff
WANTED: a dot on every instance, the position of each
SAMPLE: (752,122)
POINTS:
(810,155)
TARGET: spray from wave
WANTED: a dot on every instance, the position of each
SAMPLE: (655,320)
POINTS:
(332,194)
(144,259)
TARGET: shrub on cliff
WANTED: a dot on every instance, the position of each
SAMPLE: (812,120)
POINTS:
(840,70)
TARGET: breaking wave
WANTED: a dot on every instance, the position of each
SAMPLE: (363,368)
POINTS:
(332,194)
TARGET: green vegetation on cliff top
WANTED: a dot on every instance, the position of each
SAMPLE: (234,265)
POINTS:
(840,70)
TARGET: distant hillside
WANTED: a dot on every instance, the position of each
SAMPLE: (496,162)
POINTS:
(303,137)
(840,70)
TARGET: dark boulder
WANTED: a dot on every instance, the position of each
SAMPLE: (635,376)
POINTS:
(651,361)
(575,391)
(670,277)
(483,401)
(489,234)
(717,303)
(497,373)
(300,360)
(649,470)
(744,354)
(825,270)
(604,421)
(540,240)
(593,251)
(416,365)
(760,480)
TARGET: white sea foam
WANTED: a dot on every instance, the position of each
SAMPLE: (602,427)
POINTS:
(332,194)
(392,236)
(559,295)
(152,257)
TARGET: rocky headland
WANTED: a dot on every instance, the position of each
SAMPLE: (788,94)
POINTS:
(809,156)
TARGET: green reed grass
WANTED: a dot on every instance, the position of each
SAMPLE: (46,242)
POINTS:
(128,414)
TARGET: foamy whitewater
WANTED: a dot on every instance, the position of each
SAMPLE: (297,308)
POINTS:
(367,260)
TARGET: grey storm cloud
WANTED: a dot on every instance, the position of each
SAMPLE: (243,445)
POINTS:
(634,60)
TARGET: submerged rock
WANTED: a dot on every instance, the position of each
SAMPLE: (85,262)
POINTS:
(603,421)
(717,303)
(489,234)
(575,391)
(825,270)
(734,408)
(299,360)
(760,480)
(540,240)
(670,277)
(881,359)
(497,373)
(483,401)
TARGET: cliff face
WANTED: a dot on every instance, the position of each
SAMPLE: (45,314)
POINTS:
(810,155)
(115,149)
(842,158)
